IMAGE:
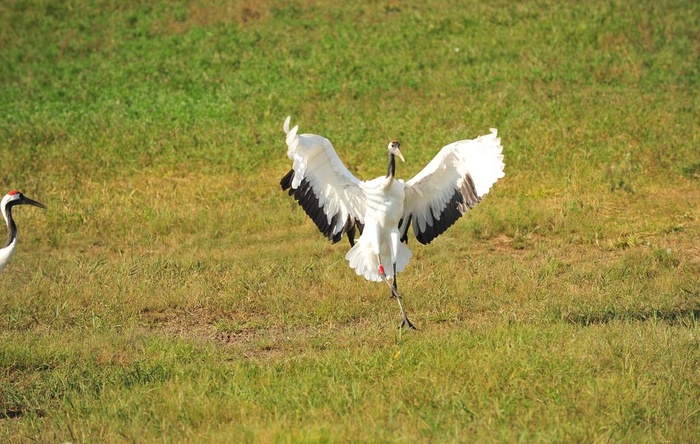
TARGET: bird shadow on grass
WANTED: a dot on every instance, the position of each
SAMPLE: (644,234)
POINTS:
(18,412)
(679,316)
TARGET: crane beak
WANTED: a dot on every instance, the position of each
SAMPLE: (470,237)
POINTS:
(28,201)
(398,153)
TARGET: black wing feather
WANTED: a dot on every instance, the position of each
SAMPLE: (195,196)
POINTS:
(304,194)
(461,201)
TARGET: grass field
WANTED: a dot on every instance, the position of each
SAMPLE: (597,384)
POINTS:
(171,292)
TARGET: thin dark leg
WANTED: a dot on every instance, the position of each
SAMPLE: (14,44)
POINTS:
(395,293)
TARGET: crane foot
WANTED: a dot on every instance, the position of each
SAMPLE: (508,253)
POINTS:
(405,320)
(408,324)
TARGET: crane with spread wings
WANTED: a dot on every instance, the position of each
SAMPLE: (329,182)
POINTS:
(383,209)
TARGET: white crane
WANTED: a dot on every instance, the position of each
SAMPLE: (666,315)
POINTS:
(383,209)
(11,199)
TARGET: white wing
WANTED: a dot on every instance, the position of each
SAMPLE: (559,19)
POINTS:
(322,185)
(452,183)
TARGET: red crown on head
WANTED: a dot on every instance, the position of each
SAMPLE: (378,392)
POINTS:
(13,192)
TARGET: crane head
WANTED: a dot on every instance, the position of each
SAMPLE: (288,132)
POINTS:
(394,149)
(18,198)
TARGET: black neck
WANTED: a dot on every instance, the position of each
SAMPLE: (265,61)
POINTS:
(11,227)
(391,169)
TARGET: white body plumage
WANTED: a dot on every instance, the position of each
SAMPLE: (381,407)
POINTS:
(6,253)
(380,239)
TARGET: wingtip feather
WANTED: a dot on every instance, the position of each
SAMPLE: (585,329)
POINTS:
(286,124)
(292,137)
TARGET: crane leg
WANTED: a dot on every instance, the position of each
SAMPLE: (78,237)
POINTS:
(395,294)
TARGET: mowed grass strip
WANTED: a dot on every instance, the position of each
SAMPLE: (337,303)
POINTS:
(172,291)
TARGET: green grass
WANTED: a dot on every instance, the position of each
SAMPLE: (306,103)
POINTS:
(171,291)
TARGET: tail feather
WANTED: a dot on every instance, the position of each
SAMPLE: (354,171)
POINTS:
(365,263)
